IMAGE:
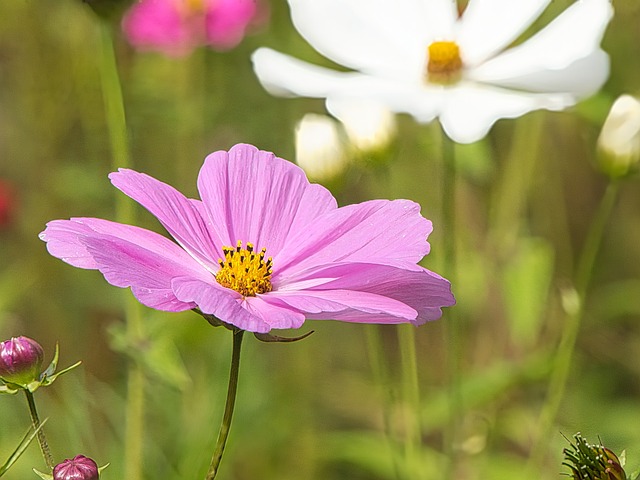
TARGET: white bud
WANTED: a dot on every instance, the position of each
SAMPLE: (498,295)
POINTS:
(319,149)
(619,141)
(369,125)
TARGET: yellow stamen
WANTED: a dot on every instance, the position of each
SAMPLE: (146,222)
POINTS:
(245,271)
(445,64)
(193,6)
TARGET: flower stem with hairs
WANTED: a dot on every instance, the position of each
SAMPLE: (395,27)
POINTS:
(229,405)
(42,439)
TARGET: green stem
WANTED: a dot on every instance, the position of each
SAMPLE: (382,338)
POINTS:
(42,439)
(411,394)
(451,323)
(451,326)
(381,379)
(573,318)
(228,408)
(119,142)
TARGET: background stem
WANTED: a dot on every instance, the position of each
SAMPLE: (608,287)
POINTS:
(450,325)
(118,138)
(573,318)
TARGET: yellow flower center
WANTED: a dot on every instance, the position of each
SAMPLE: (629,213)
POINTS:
(191,7)
(245,271)
(445,64)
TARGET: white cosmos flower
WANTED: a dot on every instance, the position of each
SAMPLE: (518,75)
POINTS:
(419,57)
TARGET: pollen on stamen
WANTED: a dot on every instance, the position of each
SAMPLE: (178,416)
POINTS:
(245,271)
(445,64)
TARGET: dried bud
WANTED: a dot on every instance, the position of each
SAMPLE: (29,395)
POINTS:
(592,462)
(619,141)
(20,361)
(76,468)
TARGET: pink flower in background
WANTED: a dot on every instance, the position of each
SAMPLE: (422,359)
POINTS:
(176,27)
(262,249)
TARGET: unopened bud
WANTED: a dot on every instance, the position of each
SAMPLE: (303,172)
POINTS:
(319,149)
(619,141)
(20,361)
(369,126)
(76,468)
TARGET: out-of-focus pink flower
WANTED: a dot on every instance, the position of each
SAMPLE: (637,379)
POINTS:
(76,468)
(7,204)
(263,249)
(176,27)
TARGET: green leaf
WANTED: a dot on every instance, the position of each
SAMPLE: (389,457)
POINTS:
(24,443)
(44,476)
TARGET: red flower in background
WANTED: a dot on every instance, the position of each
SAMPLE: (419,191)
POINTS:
(7,203)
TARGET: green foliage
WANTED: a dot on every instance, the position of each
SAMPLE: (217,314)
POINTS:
(313,409)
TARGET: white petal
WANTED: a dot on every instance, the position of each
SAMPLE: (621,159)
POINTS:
(470,110)
(284,75)
(382,37)
(582,78)
(440,17)
(573,35)
(287,76)
(488,26)
(422,102)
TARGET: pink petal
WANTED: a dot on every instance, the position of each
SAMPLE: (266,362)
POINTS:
(254,196)
(226,21)
(378,231)
(328,302)
(225,304)
(65,240)
(273,313)
(158,25)
(127,257)
(177,214)
(420,290)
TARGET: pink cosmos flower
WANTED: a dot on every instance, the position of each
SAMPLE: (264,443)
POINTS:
(262,249)
(176,27)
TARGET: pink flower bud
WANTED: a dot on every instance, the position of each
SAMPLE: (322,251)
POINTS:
(20,361)
(76,468)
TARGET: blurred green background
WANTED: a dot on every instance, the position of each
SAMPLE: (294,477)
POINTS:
(315,409)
